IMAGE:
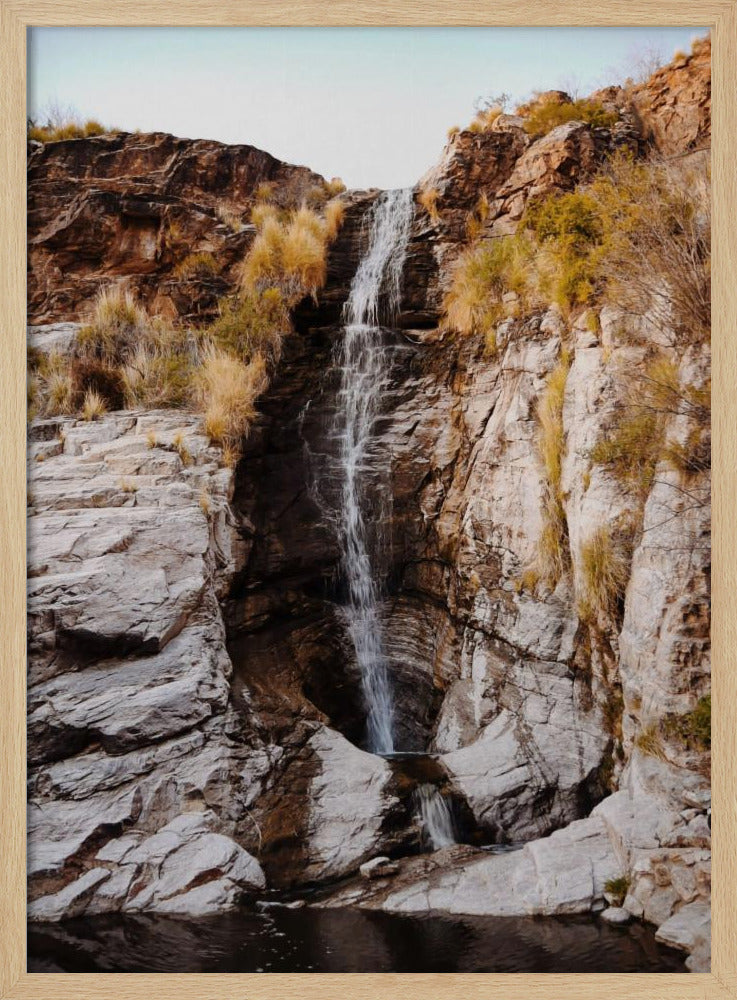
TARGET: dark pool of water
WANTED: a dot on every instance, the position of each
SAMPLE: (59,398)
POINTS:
(313,940)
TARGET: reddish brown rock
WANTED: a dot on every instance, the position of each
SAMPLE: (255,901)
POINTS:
(129,208)
(674,106)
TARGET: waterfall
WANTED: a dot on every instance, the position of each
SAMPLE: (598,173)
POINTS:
(436,816)
(363,363)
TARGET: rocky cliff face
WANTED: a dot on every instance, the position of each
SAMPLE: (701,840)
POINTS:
(127,208)
(193,689)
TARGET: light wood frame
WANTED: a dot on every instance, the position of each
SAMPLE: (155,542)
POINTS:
(15,17)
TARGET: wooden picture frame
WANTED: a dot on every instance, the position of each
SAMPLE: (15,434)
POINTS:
(15,17)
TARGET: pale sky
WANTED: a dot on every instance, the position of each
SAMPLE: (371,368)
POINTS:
(370,105)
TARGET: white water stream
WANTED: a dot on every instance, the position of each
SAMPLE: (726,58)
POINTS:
(435,816)
(363,362)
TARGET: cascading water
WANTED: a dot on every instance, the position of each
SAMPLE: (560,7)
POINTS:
(363,363)
(436,816)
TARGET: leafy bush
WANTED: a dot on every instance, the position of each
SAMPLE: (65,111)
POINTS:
(254,322)
(635,444)
(569,230)
(635,229)
(157,378)
(544,116)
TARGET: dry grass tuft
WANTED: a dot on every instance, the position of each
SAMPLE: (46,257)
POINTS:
(290,254)
(55,131)
(604,572)
(428,199)
(118,322)
(334,216)
(228,388)
(93,406)
(229,217)
(553,555)
(201,265)
(334,187)
(649,741)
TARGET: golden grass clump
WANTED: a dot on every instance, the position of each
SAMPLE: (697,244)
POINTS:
(70,129)
(453,131)
(264,191)
(228,388)
(553,556)
(485,118)
(51,388)
(93,406)
(334,216)
(262,212)
(483,274)
(428,199)
(200,265)
(334,187)
(290,254)
(155,377)
(304,252)
(117,324)
(229,217)
(604,572)
(649,741)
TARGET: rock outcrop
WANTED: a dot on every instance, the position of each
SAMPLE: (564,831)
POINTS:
(129,209)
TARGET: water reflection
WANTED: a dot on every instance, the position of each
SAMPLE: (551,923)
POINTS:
(312,940)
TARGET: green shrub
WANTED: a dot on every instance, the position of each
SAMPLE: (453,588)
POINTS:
(692,729)
(254,322)
(544,116)
(156,378)
(617,888)
(631,450)
(570,230)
